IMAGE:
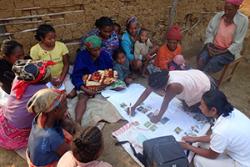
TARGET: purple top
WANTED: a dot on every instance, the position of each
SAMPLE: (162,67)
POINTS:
(15,110)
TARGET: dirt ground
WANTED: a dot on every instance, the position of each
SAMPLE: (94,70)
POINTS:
(238,92)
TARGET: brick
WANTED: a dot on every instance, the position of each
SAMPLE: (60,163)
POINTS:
(23,4)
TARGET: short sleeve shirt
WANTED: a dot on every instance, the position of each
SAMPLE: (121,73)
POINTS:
(43,143)
(56,55)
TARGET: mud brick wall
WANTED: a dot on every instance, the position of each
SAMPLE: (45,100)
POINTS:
(72,18)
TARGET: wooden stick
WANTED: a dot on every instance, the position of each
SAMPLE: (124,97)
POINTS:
(172,13)
(34,29)
(38,16)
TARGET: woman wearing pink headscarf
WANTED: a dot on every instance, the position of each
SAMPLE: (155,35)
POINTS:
(224,38)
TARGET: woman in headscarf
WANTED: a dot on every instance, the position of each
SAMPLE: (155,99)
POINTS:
(105,30)
(15,121)
(224,38)
(128,41)
(47,141)
(88,61)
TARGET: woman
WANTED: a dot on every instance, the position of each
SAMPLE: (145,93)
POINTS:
(230,138)
(128,41)
(188,86)
(88,61)
(11,52)
(47,141)
(224,38)
(15,121)
(105,30)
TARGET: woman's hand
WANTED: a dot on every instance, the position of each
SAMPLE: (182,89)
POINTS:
(131,111)
(189,139)
(185,146)
(155,119)
(57,82)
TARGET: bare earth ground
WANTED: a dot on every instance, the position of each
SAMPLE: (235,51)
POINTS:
(238,92)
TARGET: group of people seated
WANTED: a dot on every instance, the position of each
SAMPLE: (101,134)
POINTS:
(35,117)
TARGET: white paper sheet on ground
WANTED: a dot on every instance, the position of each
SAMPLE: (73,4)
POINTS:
(177,122)
(50,85)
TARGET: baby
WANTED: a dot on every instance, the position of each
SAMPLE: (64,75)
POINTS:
(178,63)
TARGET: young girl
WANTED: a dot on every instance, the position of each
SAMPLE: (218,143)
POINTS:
(11,52)
(169,50)
(47,142)
(85,149)
(121,65)
(50,49)
(144,49)
(229,143)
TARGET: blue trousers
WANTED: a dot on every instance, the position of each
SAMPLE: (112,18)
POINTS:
(213,64)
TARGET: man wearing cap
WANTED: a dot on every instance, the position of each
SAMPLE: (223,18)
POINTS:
(224,38)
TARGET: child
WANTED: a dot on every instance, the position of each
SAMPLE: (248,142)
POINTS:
(143,49)
(46,141)
(117,30)
(121,65)
(50,49)
(169,50)
(11,52)
(85,149)
(178,63)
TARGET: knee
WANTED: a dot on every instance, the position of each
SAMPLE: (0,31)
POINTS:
(83,97)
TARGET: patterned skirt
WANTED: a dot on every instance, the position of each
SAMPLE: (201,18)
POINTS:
(12,138)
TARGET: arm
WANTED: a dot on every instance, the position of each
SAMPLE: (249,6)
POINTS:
(34,53)
(171,92)
(144,95)
(236,46)
(137,50)
(65,67)
(211,28)
(208,153)
(127,49)
(162,59)
(78,72)
(203,139)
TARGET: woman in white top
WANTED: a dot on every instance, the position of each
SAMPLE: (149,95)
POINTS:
(230,138)
(188,86)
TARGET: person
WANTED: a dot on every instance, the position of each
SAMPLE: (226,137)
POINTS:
(188,86)
(47,141)
(50,49)
(224,38)
(105,30)
(85,150)
(88,61)
(15,120)
(128,41)
(11,52)
(117,29)
(178,63)
(229,143)
(170,49)
(121,65)
(144,49)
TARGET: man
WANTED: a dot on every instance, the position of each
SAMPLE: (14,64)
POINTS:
(224,38)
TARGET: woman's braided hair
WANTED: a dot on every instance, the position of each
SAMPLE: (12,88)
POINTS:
(88,144)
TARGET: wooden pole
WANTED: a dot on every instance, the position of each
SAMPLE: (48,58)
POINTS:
(172,13)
